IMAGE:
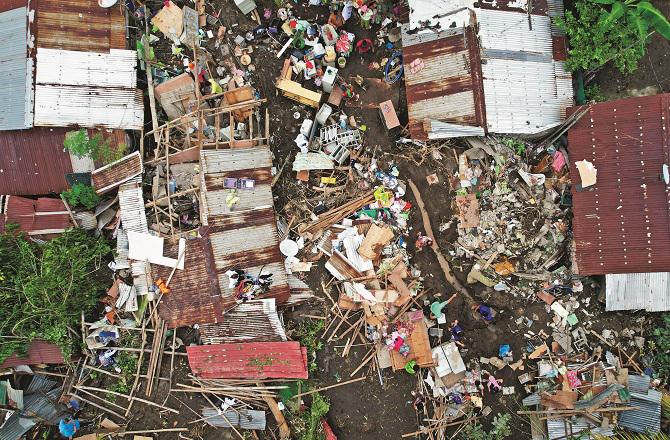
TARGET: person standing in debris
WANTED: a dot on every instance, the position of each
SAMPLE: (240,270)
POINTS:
(336,20)
(456,332)
(485,312)
(68,426)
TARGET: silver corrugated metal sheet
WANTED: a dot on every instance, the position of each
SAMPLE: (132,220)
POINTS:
(555,9)
(244,418)
(87,89)
(525,90)
(116,69)
(39,406)
(647,419)
(133,218)
(532,400)
(16,71)
(507,30)
(636,291)
(253,321)
(638,384)
(40,383)
(565,428)
(433,12)
(131,204)
(122,249)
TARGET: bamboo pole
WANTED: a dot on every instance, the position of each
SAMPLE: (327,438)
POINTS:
(114,413)
(347,382)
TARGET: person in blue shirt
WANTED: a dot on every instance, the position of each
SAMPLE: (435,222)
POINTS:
(68,426)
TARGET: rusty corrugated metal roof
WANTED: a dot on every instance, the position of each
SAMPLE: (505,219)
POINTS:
(27,170)
(244,237)
(114,174)
(258,360)
(39,352)
(622,223)
(448,88)
(253,321)
(79,25)
(195,297)
(35,217)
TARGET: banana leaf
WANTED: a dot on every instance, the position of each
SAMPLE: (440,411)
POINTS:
(655,18)
(604,2)
(640,24)
(617,11)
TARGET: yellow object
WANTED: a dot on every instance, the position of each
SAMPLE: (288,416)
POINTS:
(328,180)
(231,199)
(385,198)
(295,91)
(216,88)
(162,286)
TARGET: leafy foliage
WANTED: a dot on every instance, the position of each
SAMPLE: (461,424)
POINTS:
(45,287)
(594,94)
(610,30)
(660,346)
(127,362)
(97,147)
(308,425)
(81,195)
(499,431)
(309,335)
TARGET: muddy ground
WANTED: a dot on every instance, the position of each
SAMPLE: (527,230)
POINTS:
(368,409)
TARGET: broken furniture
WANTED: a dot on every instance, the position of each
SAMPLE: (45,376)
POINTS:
(296,92)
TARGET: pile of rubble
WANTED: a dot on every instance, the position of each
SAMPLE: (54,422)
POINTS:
(512,217)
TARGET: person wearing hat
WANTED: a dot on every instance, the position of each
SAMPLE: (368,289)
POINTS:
(68,426)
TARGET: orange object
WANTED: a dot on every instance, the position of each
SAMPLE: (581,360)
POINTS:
(162,286)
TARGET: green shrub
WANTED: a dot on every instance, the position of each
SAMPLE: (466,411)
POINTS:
(81,195)
(97,147)
(499,431)
(660,347)
(594,94)
(44,288)
(610,30)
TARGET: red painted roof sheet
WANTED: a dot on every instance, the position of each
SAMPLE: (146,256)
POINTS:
(39,352)
(33,161)
(41,216)
(258,360)
(623,224)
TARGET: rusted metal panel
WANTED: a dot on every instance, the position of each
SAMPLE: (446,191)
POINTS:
(79,25)
(195,296)
(26,170)
(244,236)
(114,174)
(253,321)
(35,217)
(258,360)
(622,223)
(446,89)
(39,352)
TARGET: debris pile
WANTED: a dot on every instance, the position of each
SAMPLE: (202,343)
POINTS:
(513,221)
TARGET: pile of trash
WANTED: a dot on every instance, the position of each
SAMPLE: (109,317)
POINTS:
(512,217)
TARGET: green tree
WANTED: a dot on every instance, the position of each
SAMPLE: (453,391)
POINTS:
(45,287)
(81,195)
(611,30)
